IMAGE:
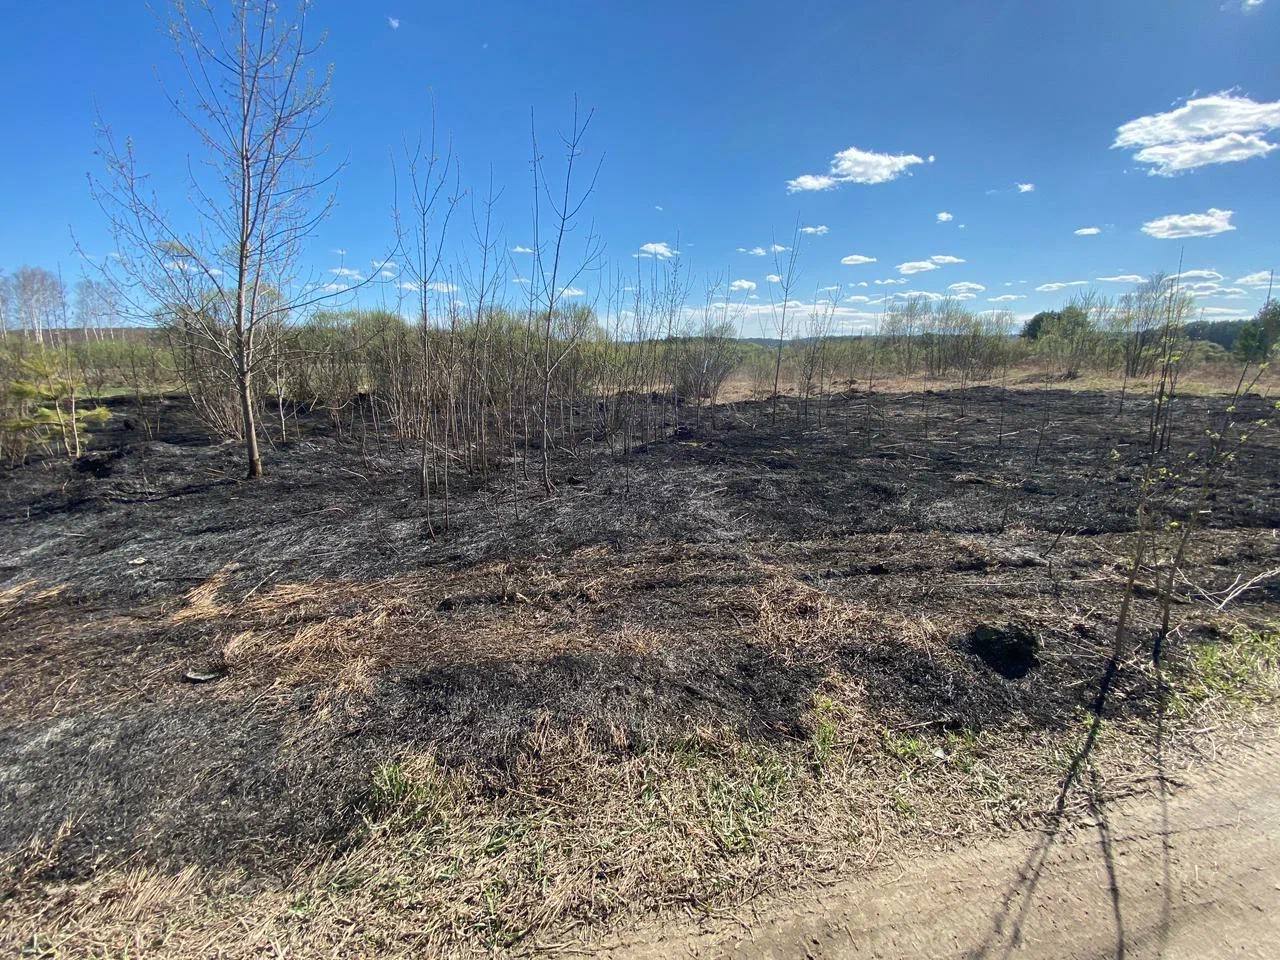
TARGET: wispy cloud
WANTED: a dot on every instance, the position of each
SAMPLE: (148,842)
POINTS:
(1006,298)
(818,231)
(1060,285)
(853,165)
(1123,278)
(1261,278)
(966,287)
(1088,231)
(916,266)
(856,259)
(521,249)
(1179,225)
(1220,128)
(1025,187)
(944,259)
(393,23)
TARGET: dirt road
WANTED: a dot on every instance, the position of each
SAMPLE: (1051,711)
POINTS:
(1192,874)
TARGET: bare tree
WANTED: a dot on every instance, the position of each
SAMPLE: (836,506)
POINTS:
(231,277)
(555,271)
(785,270)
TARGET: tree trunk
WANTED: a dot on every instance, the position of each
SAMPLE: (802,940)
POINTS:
(250,428)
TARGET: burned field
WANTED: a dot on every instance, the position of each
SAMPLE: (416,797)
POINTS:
(238,714)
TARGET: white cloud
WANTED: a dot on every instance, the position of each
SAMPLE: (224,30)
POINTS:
(1198,275)
(393,23)
(1176,226)
(778,248)
(857,298)
(660,250)
(435,286)
(1211,289)
(740,285)
(774,278)
(809,181)
(348,272)
(1088,231)
(572,292)
(856,259)
(657,207)
(856,166)
(943,216)
(520,249)
(1025,187)
(917,266)
(1123,278)
(820,230)
(754,251)
(1222,312)
(1261,278)
(891,280)
(966,287)
(1006,298)
(1219,128)
(1060,285)
(339,251)
(945,259)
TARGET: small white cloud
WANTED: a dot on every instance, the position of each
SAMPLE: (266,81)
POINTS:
(1176,226)
(657,207)
(521,249)
(856,259)
(1060,285)
(966,287)
(660,250)
(572,292)
(1261,278)
(778,248)
(393,23)
(890,281)
(347,272)
(943,216)
(1123,278)
(1025,187)
(739,285)
(754,251)
(774,278)
(1088,231)
(853,165)
(338,251)
(945,259)
(818,231)
(916,266)
(1006,298)
(1213,275)
(857,299)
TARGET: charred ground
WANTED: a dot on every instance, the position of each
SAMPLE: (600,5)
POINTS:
(821,594)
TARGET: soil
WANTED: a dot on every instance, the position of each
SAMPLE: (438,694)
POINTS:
(1190,874)
(938,565)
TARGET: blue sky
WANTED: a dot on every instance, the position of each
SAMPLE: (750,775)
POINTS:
(714,121)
